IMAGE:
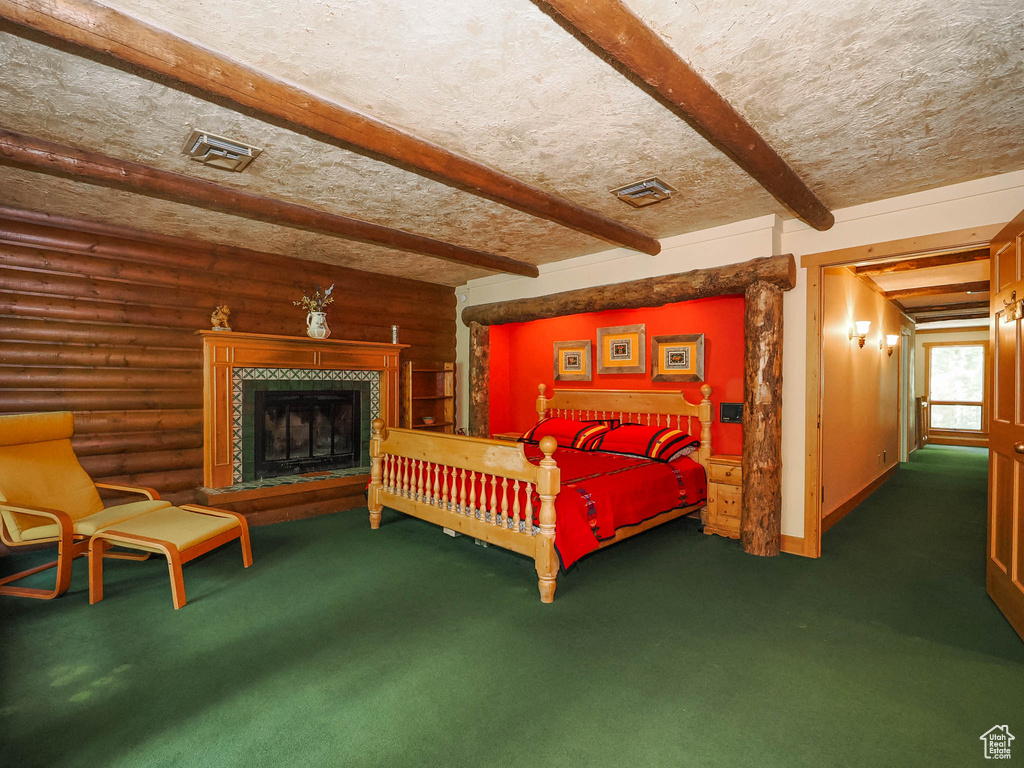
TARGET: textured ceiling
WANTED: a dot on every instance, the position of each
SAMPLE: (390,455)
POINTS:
(864,100)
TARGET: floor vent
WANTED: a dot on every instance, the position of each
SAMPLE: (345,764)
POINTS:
(219,152)
(646,192)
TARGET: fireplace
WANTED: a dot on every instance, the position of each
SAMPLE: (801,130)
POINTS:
(297,432)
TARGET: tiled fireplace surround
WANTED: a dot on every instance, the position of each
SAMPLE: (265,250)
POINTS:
(237,365)
(247,381)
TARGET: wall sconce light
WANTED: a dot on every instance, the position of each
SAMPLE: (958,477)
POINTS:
(861,331)
(889,343)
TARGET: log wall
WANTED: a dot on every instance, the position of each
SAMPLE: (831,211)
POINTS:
(101,321)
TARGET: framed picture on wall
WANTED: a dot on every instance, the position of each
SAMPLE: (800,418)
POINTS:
(678,358)
(573,361)
(622,349)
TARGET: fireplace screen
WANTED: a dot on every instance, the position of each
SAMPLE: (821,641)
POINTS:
(299,432)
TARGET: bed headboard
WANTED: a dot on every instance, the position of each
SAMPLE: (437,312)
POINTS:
(659,408)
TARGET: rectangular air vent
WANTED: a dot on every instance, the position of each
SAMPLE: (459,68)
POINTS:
(641,193)
(219,152)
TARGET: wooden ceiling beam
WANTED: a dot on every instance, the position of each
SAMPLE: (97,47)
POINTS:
(965,316)
(925,262)
(95,168)
(980,286)
(948,307)
(621,34)
(99,28)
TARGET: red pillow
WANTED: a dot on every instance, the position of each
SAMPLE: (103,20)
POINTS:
(568,433)
(661,443)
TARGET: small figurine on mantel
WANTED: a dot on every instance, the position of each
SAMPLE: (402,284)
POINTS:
(219,318)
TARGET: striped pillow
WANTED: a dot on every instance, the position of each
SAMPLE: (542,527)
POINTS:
(660,443)
(568,433)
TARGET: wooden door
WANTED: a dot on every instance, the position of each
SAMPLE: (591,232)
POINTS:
(1004,568)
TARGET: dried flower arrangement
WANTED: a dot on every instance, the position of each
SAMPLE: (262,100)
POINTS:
(316,303)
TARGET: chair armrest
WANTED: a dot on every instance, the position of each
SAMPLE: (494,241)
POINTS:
(63,520)
(215,512)
(150,493)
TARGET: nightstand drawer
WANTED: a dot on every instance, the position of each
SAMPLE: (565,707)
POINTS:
(727,501)
(729,474)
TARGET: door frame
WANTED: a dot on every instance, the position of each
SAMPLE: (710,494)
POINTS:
(815,264)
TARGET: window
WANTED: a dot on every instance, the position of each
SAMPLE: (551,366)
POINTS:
(956,386)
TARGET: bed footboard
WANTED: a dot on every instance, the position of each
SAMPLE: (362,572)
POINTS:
(482,488)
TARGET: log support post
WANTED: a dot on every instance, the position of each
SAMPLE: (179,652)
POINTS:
(761,515)
(479,373)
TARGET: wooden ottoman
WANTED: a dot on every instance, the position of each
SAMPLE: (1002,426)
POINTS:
(179,533)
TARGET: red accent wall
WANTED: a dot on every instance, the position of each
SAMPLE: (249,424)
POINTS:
(522,358)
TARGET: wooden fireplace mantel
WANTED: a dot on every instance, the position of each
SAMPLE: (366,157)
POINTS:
(223,351)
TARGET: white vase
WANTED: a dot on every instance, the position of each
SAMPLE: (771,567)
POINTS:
(316,325)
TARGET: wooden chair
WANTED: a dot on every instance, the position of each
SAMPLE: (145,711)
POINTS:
(47,497)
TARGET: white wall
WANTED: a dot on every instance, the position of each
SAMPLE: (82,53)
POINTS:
(982,202)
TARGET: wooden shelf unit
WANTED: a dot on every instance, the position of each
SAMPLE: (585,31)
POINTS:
(428,390)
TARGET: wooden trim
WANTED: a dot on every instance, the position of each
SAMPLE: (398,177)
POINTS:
(965,329)
(977,315)
(948,307)
(924,262)
(813,406)
(92,167)
(618,32)
(922,245)
(99,28)
(727,280)
(815,263)
(978,286)
(940,438)
(795,545)
(847,506)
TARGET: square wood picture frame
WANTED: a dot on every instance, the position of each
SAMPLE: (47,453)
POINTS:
(573,360)
(622,349)
(678,358)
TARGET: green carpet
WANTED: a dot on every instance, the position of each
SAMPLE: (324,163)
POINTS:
(344,646)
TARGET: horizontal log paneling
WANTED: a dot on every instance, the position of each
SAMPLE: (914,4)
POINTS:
(134,463)
(97,378)
(32,400)
(104,422)
(68,355)
(117,443)
(102,321)
(246,284)
(164,481)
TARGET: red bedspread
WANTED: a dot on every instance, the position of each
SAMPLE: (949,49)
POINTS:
(605,491)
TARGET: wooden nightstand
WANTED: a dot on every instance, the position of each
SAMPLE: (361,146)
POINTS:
(724,494)
(510,436)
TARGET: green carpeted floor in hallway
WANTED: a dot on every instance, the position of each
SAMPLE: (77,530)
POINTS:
(344,646)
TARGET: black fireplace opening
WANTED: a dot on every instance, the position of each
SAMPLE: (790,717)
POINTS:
(306,431)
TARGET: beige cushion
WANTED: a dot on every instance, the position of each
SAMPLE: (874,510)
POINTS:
(87,526)
(175,526)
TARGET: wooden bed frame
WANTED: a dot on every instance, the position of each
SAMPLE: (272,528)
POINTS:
(472,485)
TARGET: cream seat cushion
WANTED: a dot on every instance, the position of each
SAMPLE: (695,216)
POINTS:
(87,526)
(175,526)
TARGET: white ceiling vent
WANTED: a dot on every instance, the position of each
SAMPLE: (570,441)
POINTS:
(219,152)
(641,193)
